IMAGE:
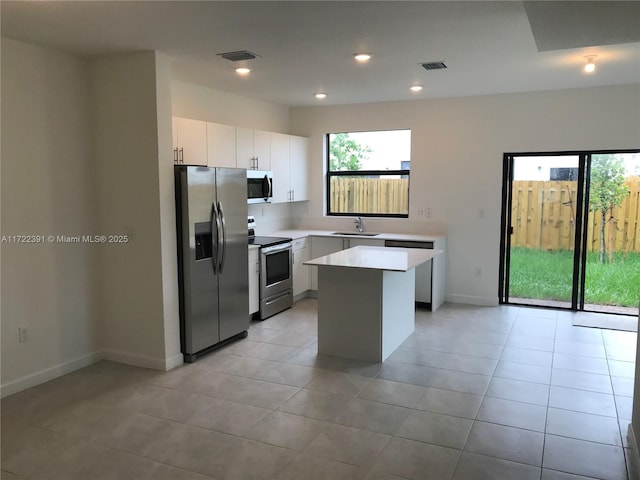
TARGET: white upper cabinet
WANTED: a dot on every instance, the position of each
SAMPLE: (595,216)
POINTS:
(280,166)
(189,141)
(289,162)
(253,149)
(299,168)
(244,148)
(262,149)
(221,145)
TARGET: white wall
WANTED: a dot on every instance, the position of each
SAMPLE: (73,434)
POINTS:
(46,190)
(133,158)
(202,103)
(456,163)
(167,213)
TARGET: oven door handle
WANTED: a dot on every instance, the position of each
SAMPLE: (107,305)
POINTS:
(223,232)
(276,248)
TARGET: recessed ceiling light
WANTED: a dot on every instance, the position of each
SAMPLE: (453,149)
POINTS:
(590,67)
(362,57)
(243,71)
(415,88)
(320,96)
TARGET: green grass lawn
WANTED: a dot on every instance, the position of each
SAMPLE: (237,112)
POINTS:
(538,274)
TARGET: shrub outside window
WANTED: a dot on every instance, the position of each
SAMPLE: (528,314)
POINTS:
(368,173)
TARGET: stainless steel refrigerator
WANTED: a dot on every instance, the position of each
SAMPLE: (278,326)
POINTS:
(211,218)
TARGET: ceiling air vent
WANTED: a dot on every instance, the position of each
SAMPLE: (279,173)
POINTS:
(434,65)
(238,56)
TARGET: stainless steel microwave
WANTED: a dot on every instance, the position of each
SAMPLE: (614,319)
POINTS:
(259,186)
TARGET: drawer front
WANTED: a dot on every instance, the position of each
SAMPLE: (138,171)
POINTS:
(300,243)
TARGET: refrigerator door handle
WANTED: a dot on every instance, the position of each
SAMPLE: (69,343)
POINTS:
(223,250)
(215,234)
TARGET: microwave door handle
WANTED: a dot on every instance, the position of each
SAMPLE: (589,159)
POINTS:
(214,237)
(266,188)
(223,232)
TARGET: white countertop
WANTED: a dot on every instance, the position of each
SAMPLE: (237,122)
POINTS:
(300,233)
(376,258)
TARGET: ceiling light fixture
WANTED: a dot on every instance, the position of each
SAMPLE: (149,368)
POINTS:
(243,71)
(320,96)
(590,67)
(415,88)
(362,57)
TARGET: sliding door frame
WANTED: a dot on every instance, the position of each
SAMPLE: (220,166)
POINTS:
(582,213)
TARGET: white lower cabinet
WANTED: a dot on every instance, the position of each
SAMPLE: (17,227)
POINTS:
(254,280)
(301,273)
(321,246)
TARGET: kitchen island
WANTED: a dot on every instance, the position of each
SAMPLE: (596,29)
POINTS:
(366,300)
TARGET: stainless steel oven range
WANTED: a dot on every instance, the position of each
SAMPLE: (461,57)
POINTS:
(276,268)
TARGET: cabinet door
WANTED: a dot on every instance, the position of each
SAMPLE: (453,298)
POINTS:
(191,141)
(299,167)
(254,280)
(321,246)
(244,148)
(262,149)
(301,273)
(280,167)
(221,145)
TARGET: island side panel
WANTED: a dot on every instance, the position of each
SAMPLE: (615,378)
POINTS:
(438,275)
(350,313)
(398,309)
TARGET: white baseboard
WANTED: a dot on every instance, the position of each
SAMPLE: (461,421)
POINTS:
(135,360)
(634,454)
(56,371)
(472,300)
(47,374)
(305,294)
(173,362)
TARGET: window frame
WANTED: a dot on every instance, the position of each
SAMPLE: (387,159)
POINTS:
(360,173)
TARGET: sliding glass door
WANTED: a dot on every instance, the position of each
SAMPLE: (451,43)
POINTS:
(612,234)
(571,231)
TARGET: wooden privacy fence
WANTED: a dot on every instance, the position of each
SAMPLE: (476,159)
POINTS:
(544,212)
(369,195)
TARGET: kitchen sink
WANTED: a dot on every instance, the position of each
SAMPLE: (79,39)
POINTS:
(358,234)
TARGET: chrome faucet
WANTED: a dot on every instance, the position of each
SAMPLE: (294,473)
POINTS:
(359,224)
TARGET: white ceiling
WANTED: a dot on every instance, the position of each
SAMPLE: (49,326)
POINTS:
(307,46)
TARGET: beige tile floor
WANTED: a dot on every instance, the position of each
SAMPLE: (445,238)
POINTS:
(474,393)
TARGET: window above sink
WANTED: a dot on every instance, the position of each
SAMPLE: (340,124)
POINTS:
(368,173)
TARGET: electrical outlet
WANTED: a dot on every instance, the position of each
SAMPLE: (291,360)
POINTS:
(22,335)
(421,213)
(478,272)
(428,212)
